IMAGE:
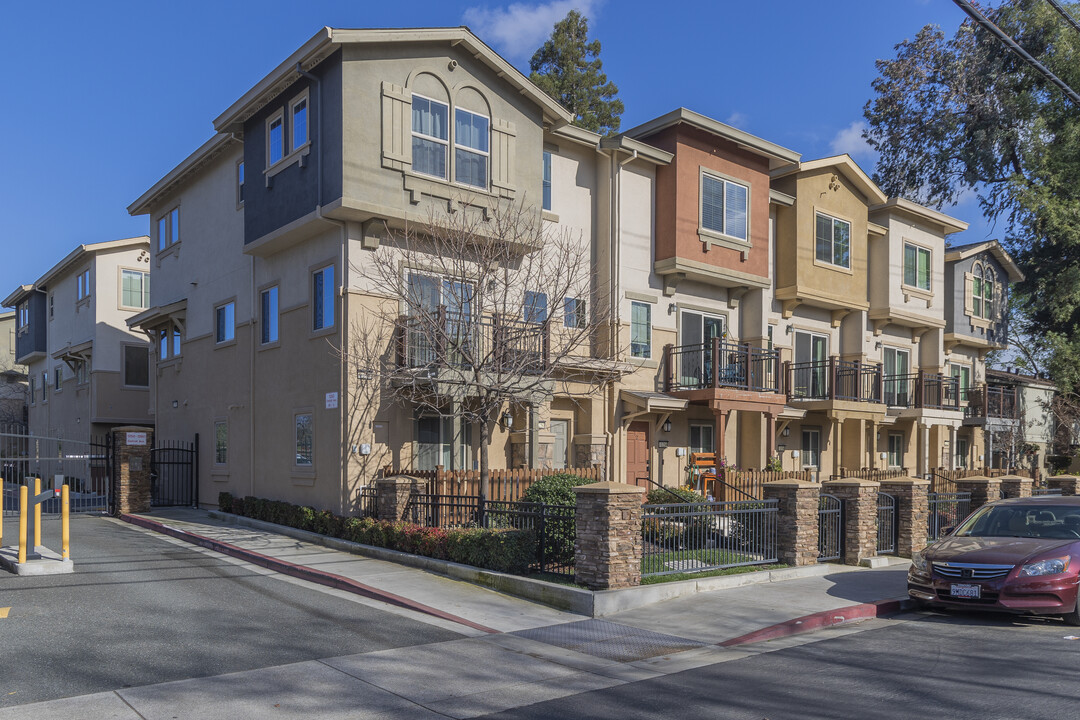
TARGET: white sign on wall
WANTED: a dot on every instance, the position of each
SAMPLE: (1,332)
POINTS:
(136,438)
(331,400)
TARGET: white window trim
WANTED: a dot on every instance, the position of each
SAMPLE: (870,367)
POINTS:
(802,450)
(123,366)
(58,379)
(217,308)
(485,154)
(915,289)
(631,328)
(303,97)
(715,237)
(262,320)
(170,242)
(888,450)
(83,287)
(120,270)
(217,422)
(279,115)
(445,143)
(309,467)
(239,185)
(851,242)
(314,270)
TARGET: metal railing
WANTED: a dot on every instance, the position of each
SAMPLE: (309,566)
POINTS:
(887,528)
(830,528)
(719,364)
(695,537)
(367,501)
(947,510)
(85,467)
(835,379)
(1046,491)
(991,401)
(443,338)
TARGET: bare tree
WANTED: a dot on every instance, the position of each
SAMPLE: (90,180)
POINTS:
(479,309)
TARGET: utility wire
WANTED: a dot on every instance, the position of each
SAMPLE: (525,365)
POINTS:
(1065,14)
(982,21)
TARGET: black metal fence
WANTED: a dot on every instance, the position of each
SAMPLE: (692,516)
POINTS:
(947,510)
(174,474)
(694,537)
(721,364)
(85,467)
(367,501)
(1046,491)
(886,524)
(830,528)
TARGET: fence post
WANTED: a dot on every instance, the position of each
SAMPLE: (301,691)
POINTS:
(195,473)
(1014,486)
(131,481)
(912,512)
(392,496)
(982,489)
(1068,484)
(860,498)
(607,544)
(797,520)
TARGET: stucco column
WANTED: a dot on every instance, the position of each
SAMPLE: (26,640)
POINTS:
(860,498)
(797,520)
(923,464)
(982,489)
(953,447)
(770,436)
(912,512)
(1014,486)
(608,546)
(131,481)
(1068,484)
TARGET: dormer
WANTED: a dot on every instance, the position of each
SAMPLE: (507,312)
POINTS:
(977,279)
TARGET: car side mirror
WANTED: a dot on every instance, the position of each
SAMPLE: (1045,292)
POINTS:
(947,531)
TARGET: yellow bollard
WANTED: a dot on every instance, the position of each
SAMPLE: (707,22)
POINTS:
(2,497)
(37,514)
(65,536)
(22,523)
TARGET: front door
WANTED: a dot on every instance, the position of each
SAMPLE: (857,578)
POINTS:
(637,454)
(560,429)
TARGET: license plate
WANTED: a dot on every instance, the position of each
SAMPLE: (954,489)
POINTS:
(965,591)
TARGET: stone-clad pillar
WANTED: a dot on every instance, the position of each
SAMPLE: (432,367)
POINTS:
(860,498)
(131,479)
(608,547)
(1068,484)
(912,512)
(1014,486)
(797,520)
(982,489)
(392,496)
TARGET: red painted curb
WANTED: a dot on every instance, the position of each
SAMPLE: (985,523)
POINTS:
(320,577)
(817,621)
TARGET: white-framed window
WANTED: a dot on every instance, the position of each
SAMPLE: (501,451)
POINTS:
(898,380)
(298,111)
(225,322)
(896,450)
(702,438)
(169,229)
(322,298)
(304,432)
(962,375)
(574,312)
(240,183)
(137,366)
(52,306)
(982,291)
(58,377)
(471,147)
(82,371)
(275,138)
(83,282)
(430,136)
(640,330)
(535,309)
(547,181)
(811,448)
(916,266)
(23,312)
(134,289)
(221,442)
(962,452)
(724,206)
(44,386)
(268,315)
(168,343)
(833,240)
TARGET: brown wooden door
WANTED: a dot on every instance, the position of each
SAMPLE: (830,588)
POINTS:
(637,454)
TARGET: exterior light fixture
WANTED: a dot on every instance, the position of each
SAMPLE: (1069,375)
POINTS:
(786,432)
(508,420)
(667,426)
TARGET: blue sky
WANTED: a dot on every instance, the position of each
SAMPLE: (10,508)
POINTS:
(106,97)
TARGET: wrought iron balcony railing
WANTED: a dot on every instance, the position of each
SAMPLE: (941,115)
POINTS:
(719,364)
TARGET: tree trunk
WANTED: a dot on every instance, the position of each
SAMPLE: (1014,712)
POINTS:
(485,441)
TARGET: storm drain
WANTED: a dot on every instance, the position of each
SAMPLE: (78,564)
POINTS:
(608,640)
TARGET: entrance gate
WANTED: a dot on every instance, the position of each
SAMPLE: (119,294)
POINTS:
(174,474)
(830,528)
(85,467)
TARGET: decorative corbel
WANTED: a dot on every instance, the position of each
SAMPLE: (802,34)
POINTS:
(838,316)
(671,282)
(879,325)
(735,295)
(788,307)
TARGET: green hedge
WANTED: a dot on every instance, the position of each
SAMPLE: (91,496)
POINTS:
(555,489)
(510,551)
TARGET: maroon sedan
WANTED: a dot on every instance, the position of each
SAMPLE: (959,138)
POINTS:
(1020,555)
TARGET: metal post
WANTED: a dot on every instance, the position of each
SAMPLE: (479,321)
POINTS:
(23,492)
(195,473)
(37,514)
(65,534)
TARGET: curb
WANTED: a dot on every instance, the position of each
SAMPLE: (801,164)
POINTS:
(822,620)
(327,579)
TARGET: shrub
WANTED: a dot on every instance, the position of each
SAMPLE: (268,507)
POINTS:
(555,489)
(224,501)
(238,506)
(667,496)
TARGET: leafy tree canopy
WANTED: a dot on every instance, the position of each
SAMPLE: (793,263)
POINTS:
(568,68)
(957,115)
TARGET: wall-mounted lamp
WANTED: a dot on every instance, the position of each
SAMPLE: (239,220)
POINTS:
(667,426)
(789,329)
(671,308)
(541,424)
(507,420)
(175,404)
(877,345)
(786,432)
(661,444)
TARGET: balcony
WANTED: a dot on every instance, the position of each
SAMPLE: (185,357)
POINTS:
(458,341)
(718,364)
(923,391)
(990,403)
(835,379)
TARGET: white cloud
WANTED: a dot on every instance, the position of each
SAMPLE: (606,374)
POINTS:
(850,140)
(519,29)
(737,119)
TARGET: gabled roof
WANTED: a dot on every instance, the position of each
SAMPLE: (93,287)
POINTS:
(780,157)
(846,166)
(72,258)
(947,223)
(327,40)
(191,164)
(960,252)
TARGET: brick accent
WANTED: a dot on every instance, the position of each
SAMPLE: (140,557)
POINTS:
(607,549)
(912,512)
(131,481)
(982,489)
(860,516)
(392,496)
(1069,484)
(1014,486)
(797,520)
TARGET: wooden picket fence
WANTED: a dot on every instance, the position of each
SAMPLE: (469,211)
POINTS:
(733,485)
(503,485)
(944,481)
(876,475)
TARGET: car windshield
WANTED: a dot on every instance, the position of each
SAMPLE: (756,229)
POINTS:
(1058,522)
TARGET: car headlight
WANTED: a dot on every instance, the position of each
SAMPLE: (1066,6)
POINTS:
(918,562)
(1055,566)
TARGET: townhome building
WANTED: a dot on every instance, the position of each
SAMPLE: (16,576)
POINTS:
(1033,438)
(87,371)
(13,379)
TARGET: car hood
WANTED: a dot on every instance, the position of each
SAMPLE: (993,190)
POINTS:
(991,550)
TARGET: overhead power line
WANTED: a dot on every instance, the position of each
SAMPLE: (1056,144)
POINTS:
(1065,14)
(983,22)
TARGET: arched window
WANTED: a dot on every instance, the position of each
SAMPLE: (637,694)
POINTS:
(988,291)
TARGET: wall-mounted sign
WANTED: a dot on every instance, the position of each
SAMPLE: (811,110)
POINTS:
(331,400)
(136,438)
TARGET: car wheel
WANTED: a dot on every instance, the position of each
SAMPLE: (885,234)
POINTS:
(1073,618)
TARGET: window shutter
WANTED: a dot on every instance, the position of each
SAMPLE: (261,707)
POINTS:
(503,142)
(396,127)
(969,305)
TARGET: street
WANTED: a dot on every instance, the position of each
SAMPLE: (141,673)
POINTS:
(140,609)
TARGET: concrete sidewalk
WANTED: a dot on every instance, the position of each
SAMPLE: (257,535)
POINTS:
(515,652)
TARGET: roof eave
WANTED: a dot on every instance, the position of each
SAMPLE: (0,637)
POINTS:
(20,292)
(949,224)
(206,152)
(639,149)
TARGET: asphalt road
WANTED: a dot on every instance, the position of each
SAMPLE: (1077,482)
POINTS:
(928,665)
(140,610)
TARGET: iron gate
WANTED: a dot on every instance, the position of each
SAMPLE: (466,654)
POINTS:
(830,528)
(85,467)
(886,524)
(174,474)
